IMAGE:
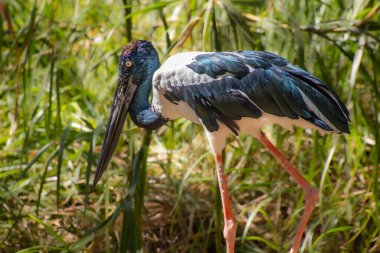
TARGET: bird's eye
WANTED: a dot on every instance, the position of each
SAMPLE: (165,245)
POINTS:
(128,64)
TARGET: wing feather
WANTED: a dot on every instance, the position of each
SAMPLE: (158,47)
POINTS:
(248,83)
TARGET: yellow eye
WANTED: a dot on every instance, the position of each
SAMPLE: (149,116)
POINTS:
(128,64)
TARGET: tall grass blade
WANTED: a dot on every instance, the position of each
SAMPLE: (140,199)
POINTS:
(133,204)
(252,217)
(43,179)
(49,229)
(62,146)
(90,160)
(34,160)
(128,18)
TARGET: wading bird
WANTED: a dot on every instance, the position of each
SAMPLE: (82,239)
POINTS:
(227,93)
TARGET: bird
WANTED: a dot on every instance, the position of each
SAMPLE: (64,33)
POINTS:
(227,93)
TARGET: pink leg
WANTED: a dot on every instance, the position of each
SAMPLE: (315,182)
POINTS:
(229,231)
(311,194)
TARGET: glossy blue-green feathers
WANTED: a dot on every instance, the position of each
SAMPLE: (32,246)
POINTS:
(248,83)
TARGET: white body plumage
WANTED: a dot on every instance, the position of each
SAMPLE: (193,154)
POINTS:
(175,72)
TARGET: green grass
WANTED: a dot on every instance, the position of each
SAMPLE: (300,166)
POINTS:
(58,71)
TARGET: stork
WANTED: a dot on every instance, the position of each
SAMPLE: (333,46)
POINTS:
(227,93)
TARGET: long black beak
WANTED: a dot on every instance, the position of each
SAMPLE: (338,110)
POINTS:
(121,103)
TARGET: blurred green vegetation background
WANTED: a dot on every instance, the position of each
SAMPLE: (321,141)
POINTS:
(58,71)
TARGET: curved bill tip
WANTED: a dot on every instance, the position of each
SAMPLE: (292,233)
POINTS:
(120,106)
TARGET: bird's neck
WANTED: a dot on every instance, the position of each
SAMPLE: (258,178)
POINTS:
(140,110)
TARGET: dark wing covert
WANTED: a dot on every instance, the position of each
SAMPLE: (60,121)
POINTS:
(247,83)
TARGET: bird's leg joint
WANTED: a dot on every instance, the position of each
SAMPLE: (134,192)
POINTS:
(229,229)
(229,233)
(311,195)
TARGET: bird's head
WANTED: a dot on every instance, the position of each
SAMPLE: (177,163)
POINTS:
(135,60)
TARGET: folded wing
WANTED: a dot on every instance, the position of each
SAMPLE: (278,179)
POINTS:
(248,83)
